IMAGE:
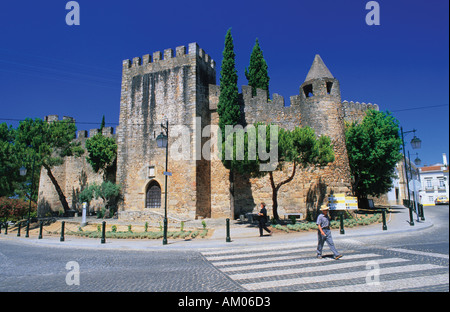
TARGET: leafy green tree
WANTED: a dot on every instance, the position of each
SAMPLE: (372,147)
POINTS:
(228,107)
(48,143)
(102,152)
(373,148)
(299,147)
(257,74)
(9,163)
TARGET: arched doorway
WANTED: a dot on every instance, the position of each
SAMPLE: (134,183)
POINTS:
(153,195)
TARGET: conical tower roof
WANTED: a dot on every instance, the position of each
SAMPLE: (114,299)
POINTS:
(318,69)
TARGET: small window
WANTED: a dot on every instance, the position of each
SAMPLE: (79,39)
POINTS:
(329,86)
(151,171)
(308,90)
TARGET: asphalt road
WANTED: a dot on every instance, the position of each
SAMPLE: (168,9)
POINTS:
(407,261)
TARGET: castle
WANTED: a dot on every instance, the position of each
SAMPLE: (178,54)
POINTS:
(180,88)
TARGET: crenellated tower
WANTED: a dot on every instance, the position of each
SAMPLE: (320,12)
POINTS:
(156,89)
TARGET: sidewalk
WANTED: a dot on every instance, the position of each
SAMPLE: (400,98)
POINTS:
(242,235)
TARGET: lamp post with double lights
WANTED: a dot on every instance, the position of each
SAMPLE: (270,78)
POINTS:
(415,144)
(162,142)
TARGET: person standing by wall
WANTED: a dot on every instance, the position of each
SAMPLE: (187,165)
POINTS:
(324,233)
(263,220)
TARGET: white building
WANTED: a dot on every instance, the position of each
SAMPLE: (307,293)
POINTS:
(434,181)
(399,190)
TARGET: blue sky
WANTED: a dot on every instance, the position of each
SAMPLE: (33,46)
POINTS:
(48,67)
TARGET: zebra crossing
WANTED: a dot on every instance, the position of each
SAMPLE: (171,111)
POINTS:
(291,267)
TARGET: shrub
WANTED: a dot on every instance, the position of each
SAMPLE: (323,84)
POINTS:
(195,234)
(14,209)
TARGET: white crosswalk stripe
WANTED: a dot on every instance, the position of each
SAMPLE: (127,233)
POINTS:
(422,253)
(293,267)
(405,283)
(328,267)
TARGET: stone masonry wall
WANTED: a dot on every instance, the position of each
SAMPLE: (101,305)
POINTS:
(72,176)
(310,186)
(155,90)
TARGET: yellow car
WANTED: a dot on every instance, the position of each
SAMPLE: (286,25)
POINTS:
(441,200)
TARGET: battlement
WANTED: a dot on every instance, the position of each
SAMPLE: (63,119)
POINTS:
(106,131)
(359,106)
(82,134)
(180,52)
(355,111)
(51,118)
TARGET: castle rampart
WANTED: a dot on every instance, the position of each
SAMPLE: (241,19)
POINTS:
(355,111)
(72,176)
(179,86)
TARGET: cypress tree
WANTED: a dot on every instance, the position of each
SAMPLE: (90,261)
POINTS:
(256,73)
(228,106)
(102,125)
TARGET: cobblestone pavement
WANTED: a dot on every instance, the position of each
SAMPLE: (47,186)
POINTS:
(294,268)
(30,268)
(396,261)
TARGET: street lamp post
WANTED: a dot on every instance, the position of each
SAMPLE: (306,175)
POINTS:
(415,143)
(162,142)
(23,172)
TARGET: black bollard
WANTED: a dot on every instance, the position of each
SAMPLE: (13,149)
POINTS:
(61,239)
(27,231)
(6,228)
(228,240)
(40,230)
(422,215)
(383,213)
(18,228)
(341,216)
(102,241)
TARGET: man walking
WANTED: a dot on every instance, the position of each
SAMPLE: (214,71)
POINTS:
(324,233)
(263,220)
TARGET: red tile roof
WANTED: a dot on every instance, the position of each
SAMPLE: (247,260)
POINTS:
(431,168)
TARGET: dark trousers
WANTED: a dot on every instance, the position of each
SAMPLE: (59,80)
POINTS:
(262,225)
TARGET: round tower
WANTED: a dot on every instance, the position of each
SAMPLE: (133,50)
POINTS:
(320,101)
(321,109)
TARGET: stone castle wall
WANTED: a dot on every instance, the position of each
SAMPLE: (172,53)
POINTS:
(180,87)
(72,176)
(310,186)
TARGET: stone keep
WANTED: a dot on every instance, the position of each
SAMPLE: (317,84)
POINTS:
(156,89)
